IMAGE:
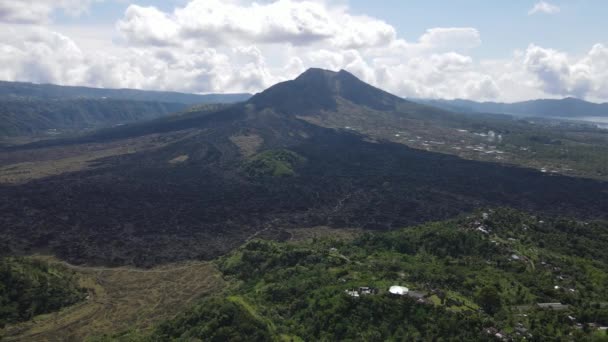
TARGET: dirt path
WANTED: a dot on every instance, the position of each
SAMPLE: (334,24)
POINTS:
(256,234)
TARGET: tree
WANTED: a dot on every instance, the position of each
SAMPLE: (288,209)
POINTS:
(489,299)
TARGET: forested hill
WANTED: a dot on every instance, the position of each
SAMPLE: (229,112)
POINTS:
(480,277)
(30,287)
(27,116)
(52,91)
(48,109)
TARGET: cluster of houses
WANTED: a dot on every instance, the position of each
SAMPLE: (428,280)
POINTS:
(594,326)
(362,291)
(514,257)
(519,333)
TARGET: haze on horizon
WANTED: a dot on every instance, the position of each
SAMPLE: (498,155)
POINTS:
(467,49)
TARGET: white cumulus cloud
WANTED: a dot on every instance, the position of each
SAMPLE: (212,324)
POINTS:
(216,22)
(451,38)
(148,26)
(543,7)
(563,75)
(39,11)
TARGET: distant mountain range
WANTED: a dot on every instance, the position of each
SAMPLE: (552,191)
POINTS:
(34,109)
(52,91)
(42,109)
(25,117)
(565,108)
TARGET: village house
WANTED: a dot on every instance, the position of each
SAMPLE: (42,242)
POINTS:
(361,291)
(368,290)
(398,290)
(352,293)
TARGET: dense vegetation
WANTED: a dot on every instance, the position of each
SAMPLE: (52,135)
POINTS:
(276,163)
(470,278)
(225,320)
(30,287)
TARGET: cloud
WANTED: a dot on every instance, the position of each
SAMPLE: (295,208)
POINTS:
(39,11)
(439,75)
(550,66)
(22,12)
(229,46)
(215,23)
(357,32)
(148,26)
(544,7)
(451,38)
(560,74)
(38,55)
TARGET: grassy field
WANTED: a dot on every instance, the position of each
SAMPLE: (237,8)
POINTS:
(121,299)
(309,234)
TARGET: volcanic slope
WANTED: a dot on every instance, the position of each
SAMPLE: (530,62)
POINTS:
(216,179)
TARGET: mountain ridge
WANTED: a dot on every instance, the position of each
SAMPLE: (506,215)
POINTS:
(46,110)
(54,91)
(568,107)
(48,118)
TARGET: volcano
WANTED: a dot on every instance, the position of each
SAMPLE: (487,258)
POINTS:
(198,184)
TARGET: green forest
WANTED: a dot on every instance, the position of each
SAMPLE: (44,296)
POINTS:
(478,277)
(30,287)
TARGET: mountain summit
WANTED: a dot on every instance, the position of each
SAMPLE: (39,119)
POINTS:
(319,89)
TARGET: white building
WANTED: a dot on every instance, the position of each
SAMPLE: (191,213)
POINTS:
(352,293)
(398,290)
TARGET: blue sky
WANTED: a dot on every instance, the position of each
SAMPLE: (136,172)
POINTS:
(504,25)
(474,49)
